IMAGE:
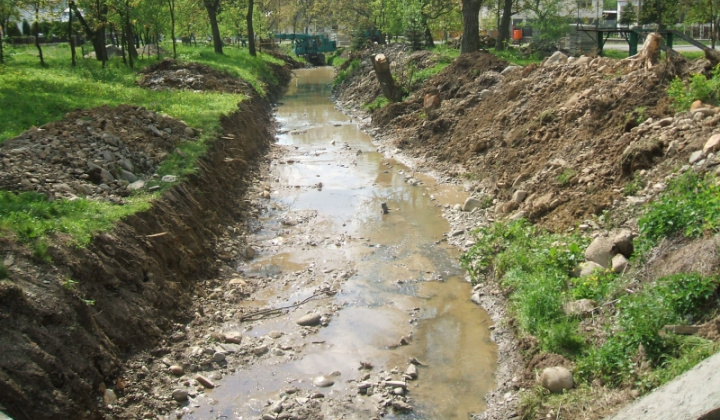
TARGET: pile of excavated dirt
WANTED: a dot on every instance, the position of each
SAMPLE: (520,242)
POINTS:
(172,74)
(102,153)
(66,327)
(560,143)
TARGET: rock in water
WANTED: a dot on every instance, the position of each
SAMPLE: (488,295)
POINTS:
(180,395)
(309,320)
(323,381)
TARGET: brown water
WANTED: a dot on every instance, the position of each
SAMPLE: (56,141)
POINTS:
(405,281)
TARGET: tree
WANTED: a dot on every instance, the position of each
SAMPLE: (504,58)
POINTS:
(550,22)
(213,8)
(504,24)
(96,32)
(628,14)
(250,29)
(171,7)
(471,26)
(703,11)
(661,12)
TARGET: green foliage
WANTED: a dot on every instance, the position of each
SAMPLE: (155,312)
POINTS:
(4,272)
(31,217)
(628,14)
(636,337)
(535,266)
(689,206)
(515,57)
(378,103)
(35,96)
(566,176)
(633,186)
(349,69)
(69,283)
(597,286)
(699,87)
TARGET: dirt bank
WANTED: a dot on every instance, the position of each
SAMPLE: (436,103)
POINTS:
(573,143)
(67,326)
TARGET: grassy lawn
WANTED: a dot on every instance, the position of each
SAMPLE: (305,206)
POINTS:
(33,96)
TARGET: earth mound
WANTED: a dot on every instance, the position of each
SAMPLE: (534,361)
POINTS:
(101,153)
(172,74)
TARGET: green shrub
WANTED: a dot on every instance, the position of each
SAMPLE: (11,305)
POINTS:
(699,87)
(566,176)
(596,286)
(378,103)
(690,206)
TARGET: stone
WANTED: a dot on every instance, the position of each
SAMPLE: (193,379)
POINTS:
(556,379)
(275,334)
(399,391)
(557,58)
(260,350)
(137,185)
(127,175)
(176,370)
(180,395)
(623,242)
(619,263)
(581,307)
(249,253)
(471,204)
(695,157)
(587,268)
(519,196)
(401,406)
(205,382)
(600,251)
(218,357)
(411,371)
(109,397)
(712,144)
(234,337)
(309,320)
(169,178)
(323,381)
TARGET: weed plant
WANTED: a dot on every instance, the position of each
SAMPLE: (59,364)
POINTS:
(683,94)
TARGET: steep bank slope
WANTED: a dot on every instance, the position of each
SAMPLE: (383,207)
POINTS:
(67,325)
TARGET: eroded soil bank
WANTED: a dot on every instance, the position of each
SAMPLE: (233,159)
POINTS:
(67,326)
(573,144)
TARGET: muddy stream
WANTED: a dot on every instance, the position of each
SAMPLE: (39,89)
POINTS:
(388,286)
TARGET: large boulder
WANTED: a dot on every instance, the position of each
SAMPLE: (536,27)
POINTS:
(600,251)
(556,379)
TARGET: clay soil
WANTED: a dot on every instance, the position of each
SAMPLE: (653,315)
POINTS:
(572,137)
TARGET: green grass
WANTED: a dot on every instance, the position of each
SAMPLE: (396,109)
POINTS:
(514,57)
(535,269)
(32,216)
(690,206)
(33,95)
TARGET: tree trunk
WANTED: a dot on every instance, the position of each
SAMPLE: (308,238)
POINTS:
(130,34)
(251,30)
(381,64)
(171,5)
(37,35)
(429,41)
(212,7)
(73,55)
(471,26)
(504,27)
(96,36)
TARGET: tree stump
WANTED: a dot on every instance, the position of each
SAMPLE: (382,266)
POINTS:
(381,64)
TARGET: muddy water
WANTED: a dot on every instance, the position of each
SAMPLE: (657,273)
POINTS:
(396,278)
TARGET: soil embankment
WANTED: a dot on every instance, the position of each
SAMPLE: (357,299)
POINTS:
(570,144)
(68,325)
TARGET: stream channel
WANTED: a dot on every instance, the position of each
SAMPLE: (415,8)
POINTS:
(398,290)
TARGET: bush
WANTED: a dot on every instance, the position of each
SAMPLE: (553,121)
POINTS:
(699,87)
(690,205)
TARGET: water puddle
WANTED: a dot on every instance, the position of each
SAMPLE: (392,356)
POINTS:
(402,283)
